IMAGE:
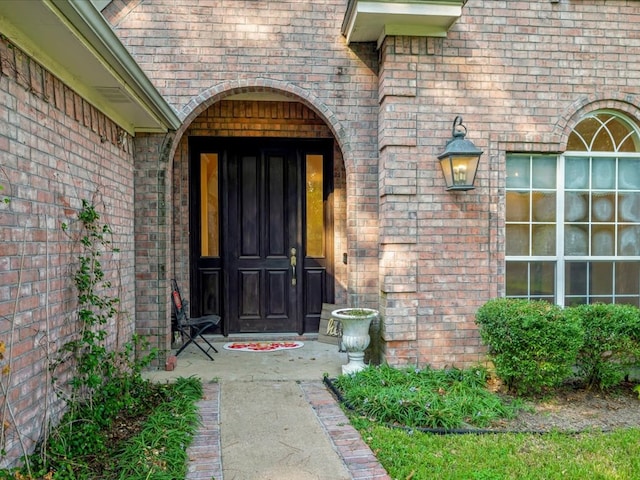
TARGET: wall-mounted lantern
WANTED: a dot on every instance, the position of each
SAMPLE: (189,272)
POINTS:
(460,158)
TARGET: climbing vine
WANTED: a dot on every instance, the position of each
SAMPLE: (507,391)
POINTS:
(95,307)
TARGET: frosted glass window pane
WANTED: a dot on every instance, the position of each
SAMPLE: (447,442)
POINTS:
(576,172)
(518,207)
(576,207)
(576,278)
(544,240)
(209,211)
(517,241)
(629,174)
(629,207)
(544,206)
(603,173)
(603,207)
(619,130)
(315,206)
(543,278)
(630,144)
(587,130)
(518,171)
(628,301)
(576,240)
(627,278)
(544,172)
(601,278)
(517,279)
(629,240)
(603,240)
(571,301)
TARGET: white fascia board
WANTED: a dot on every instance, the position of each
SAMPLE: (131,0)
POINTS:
(74,42)
(371,20)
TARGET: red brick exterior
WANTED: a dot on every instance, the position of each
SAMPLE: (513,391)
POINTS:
(520,73)
(57,150)
(425,257)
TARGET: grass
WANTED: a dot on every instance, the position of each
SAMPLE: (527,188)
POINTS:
(422,456)
(383,398)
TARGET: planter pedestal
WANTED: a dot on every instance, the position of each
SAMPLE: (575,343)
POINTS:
(355,335)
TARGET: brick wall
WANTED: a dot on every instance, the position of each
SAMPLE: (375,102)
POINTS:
(519,72)
(153,252)
(56,150)
(259,48)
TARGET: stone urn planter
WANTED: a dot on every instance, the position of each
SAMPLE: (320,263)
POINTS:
(355,335)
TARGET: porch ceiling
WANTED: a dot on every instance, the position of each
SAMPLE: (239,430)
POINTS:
(373,20)
(72,40)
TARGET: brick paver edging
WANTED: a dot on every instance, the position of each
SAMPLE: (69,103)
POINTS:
(205,461)
(356,455)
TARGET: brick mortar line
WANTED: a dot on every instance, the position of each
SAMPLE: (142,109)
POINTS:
(205,451)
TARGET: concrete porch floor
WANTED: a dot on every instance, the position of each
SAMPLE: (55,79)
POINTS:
(267,415)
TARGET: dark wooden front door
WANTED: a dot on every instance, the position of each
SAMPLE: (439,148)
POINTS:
(262,235)
(257,261)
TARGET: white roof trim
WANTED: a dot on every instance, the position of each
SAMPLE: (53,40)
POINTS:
(372,20)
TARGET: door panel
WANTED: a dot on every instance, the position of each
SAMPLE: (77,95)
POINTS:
(266,188)
(263,219)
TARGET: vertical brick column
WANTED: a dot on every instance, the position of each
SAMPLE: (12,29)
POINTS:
(153,240)
(397,124)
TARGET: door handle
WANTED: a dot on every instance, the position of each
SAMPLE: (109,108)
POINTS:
(293,261)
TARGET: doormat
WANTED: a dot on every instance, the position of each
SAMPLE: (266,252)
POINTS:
(261,346)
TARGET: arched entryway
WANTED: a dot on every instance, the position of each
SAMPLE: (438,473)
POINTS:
(260,197)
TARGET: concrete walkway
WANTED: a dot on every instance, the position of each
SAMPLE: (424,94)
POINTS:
(269,416)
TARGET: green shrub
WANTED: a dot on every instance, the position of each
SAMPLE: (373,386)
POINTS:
(532,343)
(611,342)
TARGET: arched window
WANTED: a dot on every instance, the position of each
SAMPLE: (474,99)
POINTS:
(573,221)
(604,132)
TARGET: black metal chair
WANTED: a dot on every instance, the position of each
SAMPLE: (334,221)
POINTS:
(191,328)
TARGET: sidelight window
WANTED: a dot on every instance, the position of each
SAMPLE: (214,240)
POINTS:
(315,206)
(209,205)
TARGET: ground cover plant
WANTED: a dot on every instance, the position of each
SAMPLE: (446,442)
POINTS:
(146,438)
(429,398)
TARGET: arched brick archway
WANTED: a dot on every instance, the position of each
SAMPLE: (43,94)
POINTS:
(232,88)
(257,114)
(156,159)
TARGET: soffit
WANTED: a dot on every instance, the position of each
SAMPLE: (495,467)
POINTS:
(373,20)
(72,40)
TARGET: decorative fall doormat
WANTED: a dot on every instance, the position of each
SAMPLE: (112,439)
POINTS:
(261,346)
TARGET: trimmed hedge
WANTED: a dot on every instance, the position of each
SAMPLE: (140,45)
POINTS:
(536,345)
(532,343)
(611,346)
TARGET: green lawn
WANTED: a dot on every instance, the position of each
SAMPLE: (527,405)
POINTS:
(390,406)
(422,456)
